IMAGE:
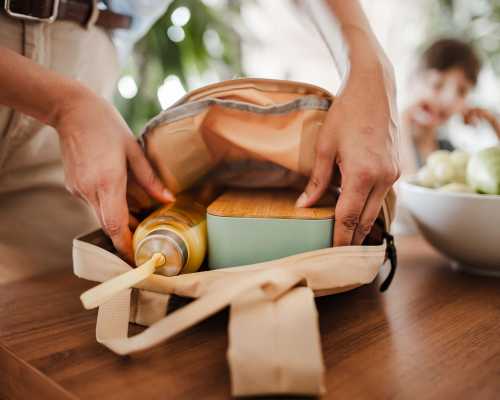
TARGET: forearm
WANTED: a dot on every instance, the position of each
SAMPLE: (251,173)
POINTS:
(364,51)
(353,45)
(494,122)
(34,90)
(369,71)
(496,128)
(496,125)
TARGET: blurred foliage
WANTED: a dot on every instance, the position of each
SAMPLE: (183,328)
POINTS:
(155,56)
(476,21)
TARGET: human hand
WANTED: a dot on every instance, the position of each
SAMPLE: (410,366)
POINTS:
(97,149)
(359,138)
(473,115)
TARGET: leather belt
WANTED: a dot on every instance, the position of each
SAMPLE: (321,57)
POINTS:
(84,12)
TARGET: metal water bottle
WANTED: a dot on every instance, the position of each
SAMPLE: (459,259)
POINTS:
(178,231)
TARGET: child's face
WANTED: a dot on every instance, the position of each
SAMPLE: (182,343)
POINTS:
(439,95)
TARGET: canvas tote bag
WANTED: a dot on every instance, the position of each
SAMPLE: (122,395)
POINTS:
(246,133)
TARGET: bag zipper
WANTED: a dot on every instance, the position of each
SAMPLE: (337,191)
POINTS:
(392,256)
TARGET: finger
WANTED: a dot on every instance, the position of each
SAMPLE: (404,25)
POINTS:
(471,120)
(133,222)
(137,198)
(369,214)
(355,191)
(145,175)
(474,117)
(91,198)
(466,117)
(115,217)
(319,180)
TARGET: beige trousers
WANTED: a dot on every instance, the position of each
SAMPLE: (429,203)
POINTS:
(38,217)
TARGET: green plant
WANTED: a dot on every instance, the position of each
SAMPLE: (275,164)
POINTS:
(209,44)
(476,21)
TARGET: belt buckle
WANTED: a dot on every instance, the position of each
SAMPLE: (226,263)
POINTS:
(49,19)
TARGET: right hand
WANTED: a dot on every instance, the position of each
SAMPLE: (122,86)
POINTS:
(472,116)
(97,149)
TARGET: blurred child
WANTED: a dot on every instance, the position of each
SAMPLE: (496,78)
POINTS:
(447,72)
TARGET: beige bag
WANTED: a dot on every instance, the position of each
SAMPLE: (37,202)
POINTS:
(250,133)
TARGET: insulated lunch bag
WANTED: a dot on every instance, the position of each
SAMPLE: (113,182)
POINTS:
(251,133)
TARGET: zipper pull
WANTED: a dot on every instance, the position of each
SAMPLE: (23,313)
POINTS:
(392,255)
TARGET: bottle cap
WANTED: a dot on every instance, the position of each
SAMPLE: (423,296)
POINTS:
(167,242)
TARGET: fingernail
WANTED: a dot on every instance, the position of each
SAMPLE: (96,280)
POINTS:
(301,201)
(168,195)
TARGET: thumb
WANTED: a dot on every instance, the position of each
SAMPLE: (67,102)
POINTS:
(318,182)
(146,177)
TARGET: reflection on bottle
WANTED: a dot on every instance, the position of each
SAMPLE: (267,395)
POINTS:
(178,231)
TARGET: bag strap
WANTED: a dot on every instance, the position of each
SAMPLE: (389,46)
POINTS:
(104,291)
(274,345)
(113,316)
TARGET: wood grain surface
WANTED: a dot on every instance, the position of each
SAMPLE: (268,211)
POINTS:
(267,203)
(433,335)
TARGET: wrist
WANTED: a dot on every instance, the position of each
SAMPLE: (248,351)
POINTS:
(367,59)
(376,79)
(67,97)
(375,67)
(376,76)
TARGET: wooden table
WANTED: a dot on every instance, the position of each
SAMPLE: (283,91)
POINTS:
(434,335)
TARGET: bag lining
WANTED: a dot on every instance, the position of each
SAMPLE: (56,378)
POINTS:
(196,107)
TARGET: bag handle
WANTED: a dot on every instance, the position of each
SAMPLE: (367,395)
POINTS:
(101,293)
(113,316)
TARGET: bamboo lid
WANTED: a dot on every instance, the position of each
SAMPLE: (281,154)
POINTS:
(267,203)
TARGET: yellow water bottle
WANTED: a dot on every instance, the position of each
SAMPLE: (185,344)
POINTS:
(178,231)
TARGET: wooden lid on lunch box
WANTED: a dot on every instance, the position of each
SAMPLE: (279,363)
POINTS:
(267,203)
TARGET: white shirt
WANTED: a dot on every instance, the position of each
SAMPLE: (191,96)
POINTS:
(144,14)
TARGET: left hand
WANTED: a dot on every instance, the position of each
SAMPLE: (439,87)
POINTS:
(359,137)
(473,115)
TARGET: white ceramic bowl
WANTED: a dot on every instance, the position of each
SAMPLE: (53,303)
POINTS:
(465,227)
